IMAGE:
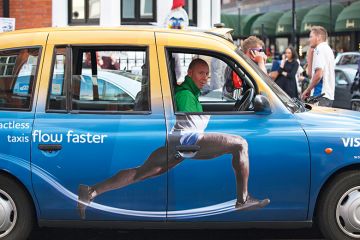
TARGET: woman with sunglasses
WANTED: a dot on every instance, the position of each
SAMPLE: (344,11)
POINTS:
(287,72)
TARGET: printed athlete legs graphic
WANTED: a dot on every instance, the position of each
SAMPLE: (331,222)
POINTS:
(238,147)
(157,164)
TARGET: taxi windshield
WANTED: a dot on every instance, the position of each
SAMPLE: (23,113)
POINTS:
(292,104)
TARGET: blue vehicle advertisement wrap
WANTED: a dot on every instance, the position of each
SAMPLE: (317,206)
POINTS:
(160,132)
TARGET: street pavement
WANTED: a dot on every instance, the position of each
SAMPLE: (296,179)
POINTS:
(251,234)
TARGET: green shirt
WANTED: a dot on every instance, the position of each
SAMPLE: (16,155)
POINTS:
(187,96)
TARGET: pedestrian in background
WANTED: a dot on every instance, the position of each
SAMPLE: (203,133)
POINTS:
(275,66)
(356,83)
(109,62)
(321,66)
(253,47)
(287,72)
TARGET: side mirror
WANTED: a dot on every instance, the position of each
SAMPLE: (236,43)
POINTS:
(262,105)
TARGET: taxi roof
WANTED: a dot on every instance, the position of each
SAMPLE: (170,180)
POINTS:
(224,33)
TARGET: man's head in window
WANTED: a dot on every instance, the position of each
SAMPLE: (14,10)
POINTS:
(199,72)
(187,94)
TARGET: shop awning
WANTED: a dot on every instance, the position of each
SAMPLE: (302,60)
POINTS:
(349,19)
(232,21)
(266,24)
(246,22)
(284,25)
(320,16)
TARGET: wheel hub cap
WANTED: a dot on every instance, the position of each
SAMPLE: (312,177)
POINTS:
(348,213)
(8,214)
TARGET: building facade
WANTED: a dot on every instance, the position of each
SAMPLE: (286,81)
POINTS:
(27,13)
(263,6)
(272,20)
(61,13)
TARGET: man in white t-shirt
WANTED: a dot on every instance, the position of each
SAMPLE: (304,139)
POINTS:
(321,68)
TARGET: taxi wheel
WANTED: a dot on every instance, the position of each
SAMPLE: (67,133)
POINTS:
(338,212)
(16,212)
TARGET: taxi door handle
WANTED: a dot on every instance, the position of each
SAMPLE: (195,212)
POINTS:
(187,148)
(50,147)
(186,151)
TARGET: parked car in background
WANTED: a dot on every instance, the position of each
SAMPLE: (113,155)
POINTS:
(347,58)
(344,77)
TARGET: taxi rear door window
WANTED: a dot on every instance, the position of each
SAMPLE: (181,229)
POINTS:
(17,78)
(102,79)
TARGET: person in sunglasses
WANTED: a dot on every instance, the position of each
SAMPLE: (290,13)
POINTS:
(253,47)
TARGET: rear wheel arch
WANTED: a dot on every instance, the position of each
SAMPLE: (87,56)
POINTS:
(340,183)
(330,179)
(20,183)
(357,96)
(25,190)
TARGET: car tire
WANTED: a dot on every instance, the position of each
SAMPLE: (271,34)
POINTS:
(334,213)
(355,106)
(16,211)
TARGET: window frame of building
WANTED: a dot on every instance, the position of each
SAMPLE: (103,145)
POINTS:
(193,20)
(86,20)
(5,8)
(137,20)
(5,65)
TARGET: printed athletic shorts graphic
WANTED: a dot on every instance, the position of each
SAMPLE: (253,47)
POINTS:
(189,138)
